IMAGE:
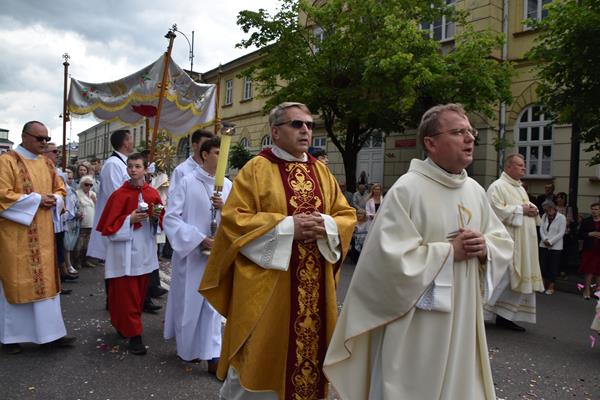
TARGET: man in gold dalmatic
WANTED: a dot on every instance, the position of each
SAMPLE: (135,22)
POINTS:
(284,232)
(30,192)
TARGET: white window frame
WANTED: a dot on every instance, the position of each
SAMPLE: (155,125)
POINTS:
(319,142)
(525,146)
(266,141)
(539,10)
(245,143)
(247,89)
(228,92)
(444,25)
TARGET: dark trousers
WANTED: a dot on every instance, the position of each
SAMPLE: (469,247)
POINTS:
(549,263)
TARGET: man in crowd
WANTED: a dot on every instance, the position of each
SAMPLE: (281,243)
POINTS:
(515,296)
(547,196)
(193,161)
(189,318)
(412,324)
(30,193)
(51,153)
(361,196)
(284,232)
(95,172)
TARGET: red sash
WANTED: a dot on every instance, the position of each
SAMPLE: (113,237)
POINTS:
(307,332)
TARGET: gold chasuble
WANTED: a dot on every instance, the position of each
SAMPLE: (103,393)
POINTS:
(278,322)
(27,262)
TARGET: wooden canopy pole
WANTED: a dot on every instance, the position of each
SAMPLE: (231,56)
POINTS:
(65,116)
(171,36)
(146,144)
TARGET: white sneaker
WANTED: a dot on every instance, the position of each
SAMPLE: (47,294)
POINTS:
(72,270)
(549,291)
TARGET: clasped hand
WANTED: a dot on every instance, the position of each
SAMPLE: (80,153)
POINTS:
(138,216)
(309,227)
(48,201)
(468,244)
(530,210)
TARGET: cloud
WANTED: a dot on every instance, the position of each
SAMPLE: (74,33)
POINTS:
(106,40)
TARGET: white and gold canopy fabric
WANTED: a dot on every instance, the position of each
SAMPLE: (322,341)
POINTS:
(187,105)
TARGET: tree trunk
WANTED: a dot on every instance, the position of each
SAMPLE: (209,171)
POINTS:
(574,169)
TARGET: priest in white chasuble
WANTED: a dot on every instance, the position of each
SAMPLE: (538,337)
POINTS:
(412,324)
(284,232)
(31,193)
(514,299)
(189,318)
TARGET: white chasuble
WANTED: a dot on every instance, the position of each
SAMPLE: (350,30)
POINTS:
(112,177)
(412,323)
(189,318)
(515,298)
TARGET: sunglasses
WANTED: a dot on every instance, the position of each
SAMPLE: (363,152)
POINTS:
(297,124)
(39,138)
(88,184)
(50,151)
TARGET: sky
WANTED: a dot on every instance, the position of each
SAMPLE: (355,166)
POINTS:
(106,40)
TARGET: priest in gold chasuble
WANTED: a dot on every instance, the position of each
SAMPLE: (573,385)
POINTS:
(30,193)
(284,232)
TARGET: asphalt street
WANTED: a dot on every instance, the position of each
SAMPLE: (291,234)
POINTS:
(552,360)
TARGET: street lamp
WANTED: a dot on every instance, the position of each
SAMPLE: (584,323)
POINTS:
(174,29)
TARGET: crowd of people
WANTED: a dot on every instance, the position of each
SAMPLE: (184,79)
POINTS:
(264,252)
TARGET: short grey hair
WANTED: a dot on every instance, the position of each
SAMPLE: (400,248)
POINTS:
(430,121)
(85,179)
(509,158)
(276,114)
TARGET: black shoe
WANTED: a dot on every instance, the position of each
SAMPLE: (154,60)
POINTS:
(136,346)
(67,277)
(66,291)
(508,324)
(65,341)
(158,291)
(151,308)
(12,348)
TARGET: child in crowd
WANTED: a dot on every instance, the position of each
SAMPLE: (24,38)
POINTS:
(130,221)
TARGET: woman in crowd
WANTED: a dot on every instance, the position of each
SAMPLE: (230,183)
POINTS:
(374,201)
(87,204)
(360,234)
(589,231)
(570,239)
(552,231)
(70,219)
(82,170)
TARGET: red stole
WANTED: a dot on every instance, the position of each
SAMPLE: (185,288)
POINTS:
(122,203)
(304,379)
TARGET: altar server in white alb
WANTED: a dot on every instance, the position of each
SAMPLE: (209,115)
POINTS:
(112,177)
(189,318)
(515,297)
(412,323)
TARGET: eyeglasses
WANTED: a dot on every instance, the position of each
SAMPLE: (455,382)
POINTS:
(88,184)
(39,138)
(460,132)
(297,124)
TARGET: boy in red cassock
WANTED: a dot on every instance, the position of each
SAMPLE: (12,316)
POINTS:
(131,218)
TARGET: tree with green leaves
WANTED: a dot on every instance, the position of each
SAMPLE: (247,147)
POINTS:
(239,156)
(568,54)
(367,66)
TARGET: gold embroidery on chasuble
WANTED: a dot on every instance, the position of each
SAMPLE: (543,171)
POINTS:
(304,379)
(33,241)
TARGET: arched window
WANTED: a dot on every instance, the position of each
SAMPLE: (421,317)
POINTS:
(244,142)
(266,142)
(534,141)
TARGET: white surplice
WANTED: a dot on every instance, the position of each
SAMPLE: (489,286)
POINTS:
(113,176)
(41,321)
(412,323)
(131,252)
(189,318)
(515,295)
